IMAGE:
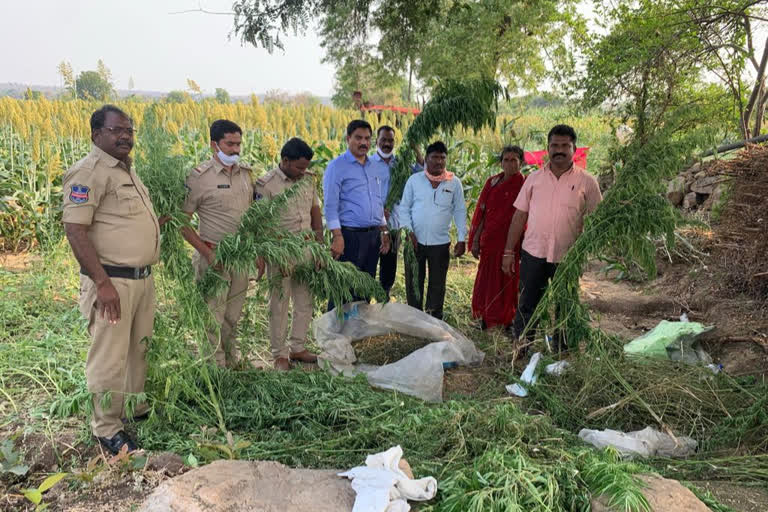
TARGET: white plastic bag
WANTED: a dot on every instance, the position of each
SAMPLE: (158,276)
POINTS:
(528,376)
(558,368)
(648,442)
(420,373)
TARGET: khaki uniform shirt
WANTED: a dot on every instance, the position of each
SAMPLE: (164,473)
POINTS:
(105,193)
(295,216)
(218,197)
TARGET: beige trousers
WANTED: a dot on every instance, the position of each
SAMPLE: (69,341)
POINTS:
(116,360)
(226,308)
(279,300)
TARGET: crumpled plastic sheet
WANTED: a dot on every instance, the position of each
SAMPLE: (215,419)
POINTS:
(648,442)
(420,373)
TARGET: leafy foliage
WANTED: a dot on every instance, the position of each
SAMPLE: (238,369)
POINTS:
(92,85)
(470,104)
(428,42)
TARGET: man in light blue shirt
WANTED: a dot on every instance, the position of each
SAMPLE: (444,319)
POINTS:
(385,152)
(430,200)
(354,190)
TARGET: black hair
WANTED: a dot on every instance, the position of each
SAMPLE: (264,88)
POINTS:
(358,123)
(562,129)
(383,128)
(295,149)
(513,149)
(222,127)
(99,116)
(437,147)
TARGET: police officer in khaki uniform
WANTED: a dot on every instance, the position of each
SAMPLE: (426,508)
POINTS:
(301,213)
(220,190)
(114,233)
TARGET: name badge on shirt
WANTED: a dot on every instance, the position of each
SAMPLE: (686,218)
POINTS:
(222,186)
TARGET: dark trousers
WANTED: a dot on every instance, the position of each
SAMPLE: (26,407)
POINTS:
(535,274)
(388,263)
(362,249)
(437,258)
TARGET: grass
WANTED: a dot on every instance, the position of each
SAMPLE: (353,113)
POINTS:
(304,419)
(485,450)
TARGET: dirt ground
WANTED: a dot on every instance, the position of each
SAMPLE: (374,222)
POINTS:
(738,497)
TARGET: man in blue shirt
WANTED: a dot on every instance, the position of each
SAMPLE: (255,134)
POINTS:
(354,190)
(430,200)
(385,152)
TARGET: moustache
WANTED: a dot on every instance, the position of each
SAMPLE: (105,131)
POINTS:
(124,144)
(558,154)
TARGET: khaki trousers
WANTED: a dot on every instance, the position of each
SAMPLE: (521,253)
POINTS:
(226,308)
(116,362)
(279,299)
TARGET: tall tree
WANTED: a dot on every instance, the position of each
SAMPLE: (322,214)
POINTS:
(516,42)
(222,96)
(660,54)
(92,85)
(730,45)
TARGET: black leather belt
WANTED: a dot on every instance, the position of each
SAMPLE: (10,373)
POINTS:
(124,272)
(359,230)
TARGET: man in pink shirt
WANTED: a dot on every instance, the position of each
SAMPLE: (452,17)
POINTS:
(553,203)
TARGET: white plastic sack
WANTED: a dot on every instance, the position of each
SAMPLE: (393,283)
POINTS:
(558,368)
(420,373)
(528,376)
(648,442)
(381,485)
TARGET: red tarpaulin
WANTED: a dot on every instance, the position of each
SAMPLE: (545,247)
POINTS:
(539,158)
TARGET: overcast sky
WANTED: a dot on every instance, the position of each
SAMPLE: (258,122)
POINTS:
(141,39)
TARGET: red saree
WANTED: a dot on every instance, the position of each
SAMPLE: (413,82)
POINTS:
(494,298)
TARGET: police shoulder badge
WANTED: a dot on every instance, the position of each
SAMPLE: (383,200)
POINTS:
(79,194)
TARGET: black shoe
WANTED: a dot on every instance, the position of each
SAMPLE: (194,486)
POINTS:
(483,325)
(115,443)
(136,419)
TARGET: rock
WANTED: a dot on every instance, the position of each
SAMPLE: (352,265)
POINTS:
(663,495)
(694,168)
(675,197)
(714,198)
(690,201)
(699,175)
(235,486)
(706,184)
(676,190)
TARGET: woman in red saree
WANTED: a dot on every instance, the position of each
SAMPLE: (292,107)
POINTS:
(494,298)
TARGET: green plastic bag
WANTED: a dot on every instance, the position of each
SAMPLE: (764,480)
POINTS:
(671,340)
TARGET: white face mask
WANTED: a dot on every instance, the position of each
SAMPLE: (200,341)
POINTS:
(226,159)
(383,154)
